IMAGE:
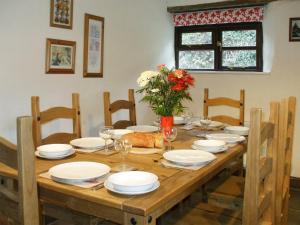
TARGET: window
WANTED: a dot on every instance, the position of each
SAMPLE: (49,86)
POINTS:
(225,47)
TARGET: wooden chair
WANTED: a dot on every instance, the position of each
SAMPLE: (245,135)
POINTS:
(224,101)
(229,194)
(20,206)
(285,146)
(110,108)
(41,118)
(260,181)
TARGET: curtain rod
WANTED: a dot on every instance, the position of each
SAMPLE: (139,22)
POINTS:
(218,5)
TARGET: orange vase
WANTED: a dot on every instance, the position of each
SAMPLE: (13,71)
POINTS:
(166,122)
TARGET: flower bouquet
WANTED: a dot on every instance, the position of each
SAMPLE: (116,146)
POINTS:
(165,90)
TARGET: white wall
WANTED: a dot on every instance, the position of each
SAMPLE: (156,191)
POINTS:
(137,38)
(280,56)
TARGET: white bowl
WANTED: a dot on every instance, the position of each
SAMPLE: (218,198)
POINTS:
(132,180)
(179,120)
(240,130)
(54,149)
(210,144)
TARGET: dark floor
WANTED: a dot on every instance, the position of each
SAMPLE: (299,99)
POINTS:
(294,207)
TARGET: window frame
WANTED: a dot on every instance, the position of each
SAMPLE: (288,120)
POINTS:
(216,30)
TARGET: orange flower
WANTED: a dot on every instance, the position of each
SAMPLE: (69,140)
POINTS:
(179,73)
(161,66)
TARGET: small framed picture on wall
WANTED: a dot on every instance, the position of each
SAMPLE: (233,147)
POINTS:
(93,46)
(295,29)
(61,13)
(60,56)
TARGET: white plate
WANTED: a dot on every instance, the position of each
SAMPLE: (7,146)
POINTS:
(188,157)
(78,171)
(213,124)
(90,143)
(143,128)
(228,138)
(52,150)
(110,187)
(209,144)
(223,149)
(131,181)
(117,133)
(38,154)
(240,130)
(179,120)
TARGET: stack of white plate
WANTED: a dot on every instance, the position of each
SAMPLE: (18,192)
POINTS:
(90,143)
(228,138)
(54,151)
(240,130)
(132,182)
(143,128)
(179,120)
(212,124)
(77,172)
(213,146)
(117,133)
(189,157)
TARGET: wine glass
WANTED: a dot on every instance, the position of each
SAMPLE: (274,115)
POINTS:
(106,134)
(205,121)
(169,135)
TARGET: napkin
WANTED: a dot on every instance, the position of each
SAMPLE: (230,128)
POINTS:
(84,184)
(187,127)
(169,164)
(98,151)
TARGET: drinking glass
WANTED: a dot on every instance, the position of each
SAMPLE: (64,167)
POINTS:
(106,134)
(187,115)
(127,146)
(169,135)
(118,145)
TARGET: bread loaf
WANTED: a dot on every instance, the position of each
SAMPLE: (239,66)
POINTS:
(145,140)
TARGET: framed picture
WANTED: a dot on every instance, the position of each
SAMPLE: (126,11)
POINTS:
(93,46)
(60,56)
(295,29)
(61,13)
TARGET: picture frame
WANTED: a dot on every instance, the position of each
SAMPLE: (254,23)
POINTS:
(61,13)
(93,46)
(294,31)
(60,56)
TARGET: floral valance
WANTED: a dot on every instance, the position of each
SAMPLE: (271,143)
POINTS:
(235,15)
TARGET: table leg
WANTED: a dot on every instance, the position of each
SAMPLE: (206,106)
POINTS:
(132,219)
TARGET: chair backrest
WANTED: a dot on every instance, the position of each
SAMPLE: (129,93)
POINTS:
(20,206)
(224,101)
(40,118)
(110,108)
(259,192)
(285,147)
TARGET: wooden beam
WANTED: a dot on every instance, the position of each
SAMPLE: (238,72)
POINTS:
(217,5)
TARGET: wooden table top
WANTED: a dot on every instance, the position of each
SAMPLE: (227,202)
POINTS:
(174,183)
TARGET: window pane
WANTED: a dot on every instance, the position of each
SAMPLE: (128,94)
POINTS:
(199,38)
(239,38)
(196,59)
(239,58)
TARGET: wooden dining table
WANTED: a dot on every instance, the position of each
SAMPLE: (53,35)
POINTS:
(175,184)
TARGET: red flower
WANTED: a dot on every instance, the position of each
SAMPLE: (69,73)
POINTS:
(189,79)
(178,87)
(171,77)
